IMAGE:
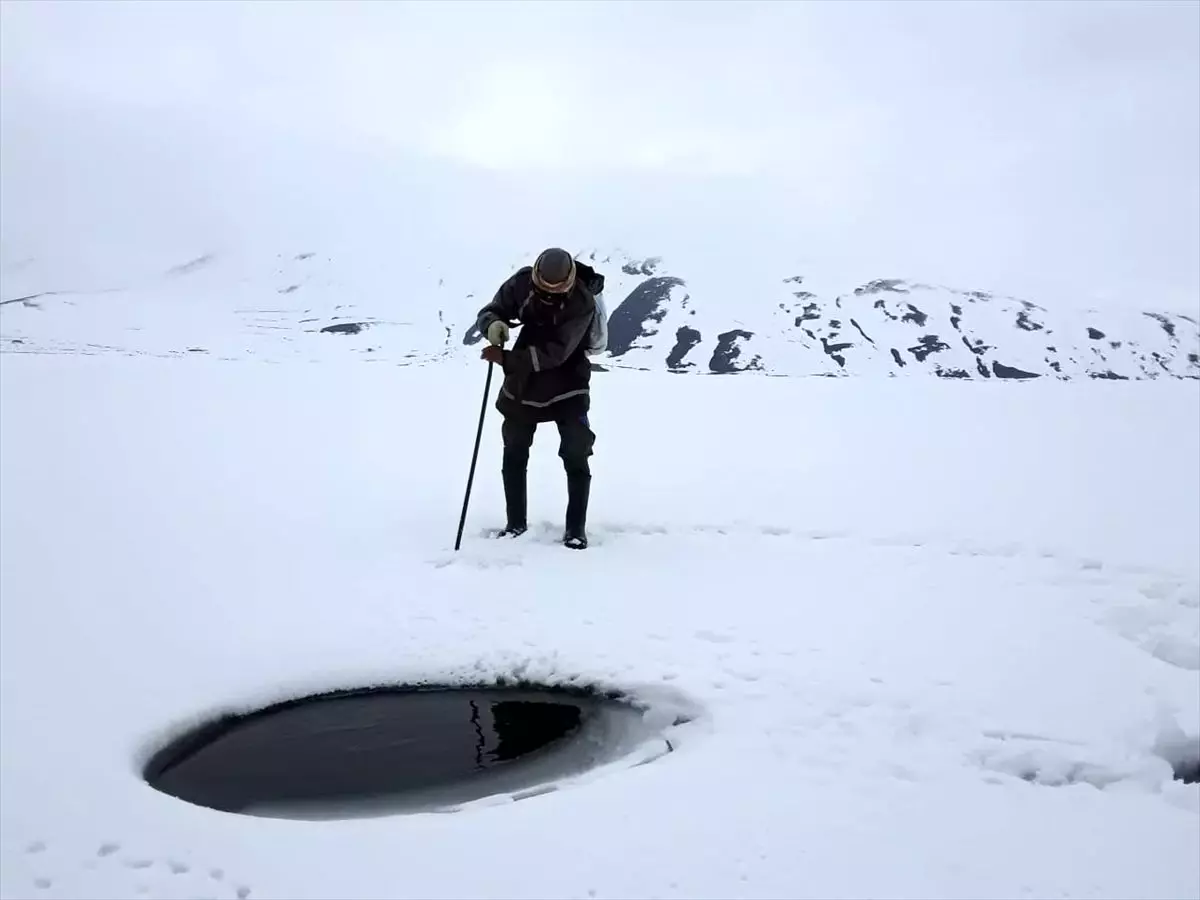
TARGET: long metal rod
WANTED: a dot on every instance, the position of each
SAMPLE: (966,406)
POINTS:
(487,389)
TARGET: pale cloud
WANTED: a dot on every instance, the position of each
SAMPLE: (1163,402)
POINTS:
(1025,144)
(532,116)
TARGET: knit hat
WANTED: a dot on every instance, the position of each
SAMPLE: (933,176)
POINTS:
(554,271)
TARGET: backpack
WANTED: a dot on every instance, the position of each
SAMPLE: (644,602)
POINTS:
(596,341)
(597,336)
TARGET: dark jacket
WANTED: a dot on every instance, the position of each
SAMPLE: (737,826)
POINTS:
(547,365)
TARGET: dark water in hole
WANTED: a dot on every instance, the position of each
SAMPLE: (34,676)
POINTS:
(389,750)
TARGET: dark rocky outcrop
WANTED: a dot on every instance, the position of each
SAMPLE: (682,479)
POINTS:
(1002,371)
(345,328)
(726,356)
(685,339)
(645,304)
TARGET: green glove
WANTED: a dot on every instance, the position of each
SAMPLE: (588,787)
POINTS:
(497,333)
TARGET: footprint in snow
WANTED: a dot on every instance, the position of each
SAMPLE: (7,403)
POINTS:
(714,637)
(821,534)
(185,878)
(897,540)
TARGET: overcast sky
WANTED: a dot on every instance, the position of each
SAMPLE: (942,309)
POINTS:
(1033,147)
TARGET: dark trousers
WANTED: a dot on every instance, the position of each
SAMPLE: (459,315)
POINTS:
(575,442)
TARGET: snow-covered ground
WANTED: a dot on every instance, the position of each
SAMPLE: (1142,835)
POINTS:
(934,639)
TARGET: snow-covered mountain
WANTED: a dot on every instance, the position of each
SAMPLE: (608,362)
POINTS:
(304,303)
(884,326)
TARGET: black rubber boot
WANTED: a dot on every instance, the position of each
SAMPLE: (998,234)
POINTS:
(578,488)
(514,502)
